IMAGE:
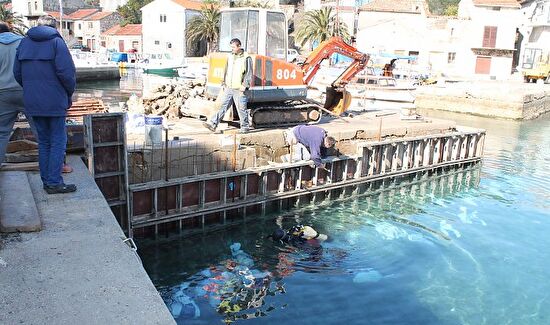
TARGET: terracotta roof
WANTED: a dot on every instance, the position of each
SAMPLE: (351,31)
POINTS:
(498,3)
(99,15)
(403,6)
(55,14)
(189,4)
(130,29)
(82,13)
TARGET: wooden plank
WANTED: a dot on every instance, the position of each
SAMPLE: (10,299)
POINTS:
(27,166)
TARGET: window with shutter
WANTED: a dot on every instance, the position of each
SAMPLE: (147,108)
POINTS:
(489,36)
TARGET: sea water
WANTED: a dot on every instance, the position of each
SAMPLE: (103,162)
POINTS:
(467,247)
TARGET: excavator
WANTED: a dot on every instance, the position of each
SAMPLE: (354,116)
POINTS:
(278,94)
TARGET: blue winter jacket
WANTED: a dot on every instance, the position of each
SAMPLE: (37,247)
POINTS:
(45,69)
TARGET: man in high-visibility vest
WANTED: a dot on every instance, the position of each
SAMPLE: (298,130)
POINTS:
(236,81)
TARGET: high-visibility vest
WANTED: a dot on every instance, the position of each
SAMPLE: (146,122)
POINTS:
(236,68)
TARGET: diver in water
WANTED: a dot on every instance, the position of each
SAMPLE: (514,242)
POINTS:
(297,234)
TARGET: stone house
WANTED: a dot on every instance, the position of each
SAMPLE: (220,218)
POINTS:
(89,25)
(164,25)
(123,38)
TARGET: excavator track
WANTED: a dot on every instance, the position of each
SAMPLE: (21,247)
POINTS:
(289,113)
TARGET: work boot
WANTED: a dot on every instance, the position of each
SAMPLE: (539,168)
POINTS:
(60,189)
(209,126)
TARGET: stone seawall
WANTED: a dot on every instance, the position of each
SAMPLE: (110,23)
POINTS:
(491,99)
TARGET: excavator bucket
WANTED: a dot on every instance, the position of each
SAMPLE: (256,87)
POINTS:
(337,100)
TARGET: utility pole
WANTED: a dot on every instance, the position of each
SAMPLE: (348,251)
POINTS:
(61,17)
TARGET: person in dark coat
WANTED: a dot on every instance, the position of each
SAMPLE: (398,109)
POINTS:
(11,93)
(45,69)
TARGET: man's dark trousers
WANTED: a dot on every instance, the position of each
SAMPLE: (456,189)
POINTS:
(52,142)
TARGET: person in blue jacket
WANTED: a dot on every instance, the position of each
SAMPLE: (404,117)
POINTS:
(45,69)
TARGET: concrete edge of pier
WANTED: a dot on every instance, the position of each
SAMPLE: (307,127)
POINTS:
(78,269)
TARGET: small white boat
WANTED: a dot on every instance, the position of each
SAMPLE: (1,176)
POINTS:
(371,92)
(160,64)
(94,66)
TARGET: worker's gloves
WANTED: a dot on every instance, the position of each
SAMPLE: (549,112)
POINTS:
(243,89)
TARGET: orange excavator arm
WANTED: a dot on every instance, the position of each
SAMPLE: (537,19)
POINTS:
(337,98)
(325,50)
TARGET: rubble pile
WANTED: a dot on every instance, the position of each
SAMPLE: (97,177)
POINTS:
(174,100)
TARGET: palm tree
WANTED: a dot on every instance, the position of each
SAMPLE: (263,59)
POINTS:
(320,25)
(205,26)
(16,22)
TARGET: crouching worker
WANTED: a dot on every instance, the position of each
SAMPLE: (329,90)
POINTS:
(297,234)
(307,142)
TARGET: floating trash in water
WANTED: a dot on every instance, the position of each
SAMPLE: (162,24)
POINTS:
(370,276)
(3,263)
(182,305)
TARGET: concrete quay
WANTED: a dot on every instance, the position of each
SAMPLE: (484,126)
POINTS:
(77,269)
(501,99)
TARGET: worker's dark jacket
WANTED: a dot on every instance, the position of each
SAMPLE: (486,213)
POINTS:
(312,137)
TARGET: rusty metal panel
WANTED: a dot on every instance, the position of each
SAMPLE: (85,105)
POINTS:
(233,188)
(109,187)
(338,171)
(253,184)
(105,130)
(142,202)
(212,190)
(190,194)
(273,180)
(352,168)
(106,160)
(167,198)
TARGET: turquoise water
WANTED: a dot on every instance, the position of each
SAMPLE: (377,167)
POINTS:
(466,247)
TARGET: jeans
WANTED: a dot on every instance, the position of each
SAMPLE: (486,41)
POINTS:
(232,96)
(298,151)
(52,142)
(11,104)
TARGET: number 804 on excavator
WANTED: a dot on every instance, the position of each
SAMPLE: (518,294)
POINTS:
(278,93)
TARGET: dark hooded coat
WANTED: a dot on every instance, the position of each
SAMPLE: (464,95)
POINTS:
(45,69)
